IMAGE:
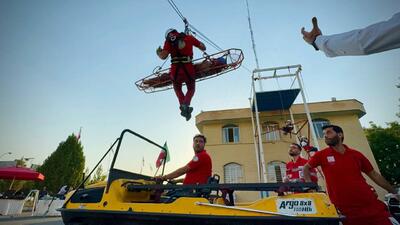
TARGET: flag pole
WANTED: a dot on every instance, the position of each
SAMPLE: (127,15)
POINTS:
(165,157)
(162,158)
(141,168)
(156,171)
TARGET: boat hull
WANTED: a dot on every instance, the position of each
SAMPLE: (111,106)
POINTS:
(103,217)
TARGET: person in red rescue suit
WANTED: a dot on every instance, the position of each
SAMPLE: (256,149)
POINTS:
(198,170)
(180,47)
(294,168)
(347,188)
(307,147)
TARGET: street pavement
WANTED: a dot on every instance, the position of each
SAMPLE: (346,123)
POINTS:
(31,221)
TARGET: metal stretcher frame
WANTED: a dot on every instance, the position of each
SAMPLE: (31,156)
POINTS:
(160,80)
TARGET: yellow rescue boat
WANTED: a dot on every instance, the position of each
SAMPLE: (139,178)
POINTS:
(132,198)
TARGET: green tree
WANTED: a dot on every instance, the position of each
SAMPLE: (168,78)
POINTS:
(64,166)
(98,176)
(385,145)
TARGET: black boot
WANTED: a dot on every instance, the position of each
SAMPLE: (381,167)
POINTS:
(183,109)
(188,113)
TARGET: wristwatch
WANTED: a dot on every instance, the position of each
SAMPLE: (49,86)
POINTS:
(315,46)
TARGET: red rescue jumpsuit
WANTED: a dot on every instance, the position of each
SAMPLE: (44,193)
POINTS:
(182,69)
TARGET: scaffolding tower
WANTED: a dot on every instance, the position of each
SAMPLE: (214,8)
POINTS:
(262,101)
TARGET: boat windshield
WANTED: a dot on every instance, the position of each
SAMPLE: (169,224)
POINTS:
(137,155)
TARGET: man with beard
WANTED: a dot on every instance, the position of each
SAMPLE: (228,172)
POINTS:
(294,168)
(198,170)
(347,188)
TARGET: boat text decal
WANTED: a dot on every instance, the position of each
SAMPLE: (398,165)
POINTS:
(296,206)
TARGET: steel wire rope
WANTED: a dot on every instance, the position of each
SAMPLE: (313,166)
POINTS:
(176,9)
(205,38)
(280,94)
(202,36)
(198,33)
(252,37)
(173,5)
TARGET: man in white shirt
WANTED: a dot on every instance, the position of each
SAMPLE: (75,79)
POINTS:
(375,38)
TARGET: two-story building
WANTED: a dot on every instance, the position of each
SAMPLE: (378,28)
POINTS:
(231,139)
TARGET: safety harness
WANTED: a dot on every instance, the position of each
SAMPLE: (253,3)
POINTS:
(178,59)
(181,59)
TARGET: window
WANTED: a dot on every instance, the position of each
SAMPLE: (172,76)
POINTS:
(318,124)
(233,173)
(230,134)
(276,171)
(271,130)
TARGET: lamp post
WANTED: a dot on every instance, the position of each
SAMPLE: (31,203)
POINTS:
(7,153)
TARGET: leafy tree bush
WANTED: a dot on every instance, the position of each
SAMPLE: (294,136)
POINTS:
(64,166)
(385,145)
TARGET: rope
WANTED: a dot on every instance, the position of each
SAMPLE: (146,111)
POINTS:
(293,80)
(245,67)
(280,95)
(205,38)
(158,68)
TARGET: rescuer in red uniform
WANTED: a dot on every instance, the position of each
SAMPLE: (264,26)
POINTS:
(294,168)
(198,170)
(180,47)
(347,188)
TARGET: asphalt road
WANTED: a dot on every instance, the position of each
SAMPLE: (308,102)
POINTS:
(32,221)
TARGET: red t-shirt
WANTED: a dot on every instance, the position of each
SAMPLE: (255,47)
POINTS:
(199,169)
(346,186)
(187,50)
(294,171)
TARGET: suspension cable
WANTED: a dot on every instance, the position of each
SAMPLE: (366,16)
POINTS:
(196,31)
(201,35)
(205,38)
(247,69)
(252,35)
(171,2)
(252,41)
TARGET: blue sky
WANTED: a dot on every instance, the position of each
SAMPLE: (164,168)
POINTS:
(71,64)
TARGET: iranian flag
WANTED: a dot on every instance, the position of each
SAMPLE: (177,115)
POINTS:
(164,155)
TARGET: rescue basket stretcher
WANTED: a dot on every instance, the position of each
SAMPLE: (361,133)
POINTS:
(206,67)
